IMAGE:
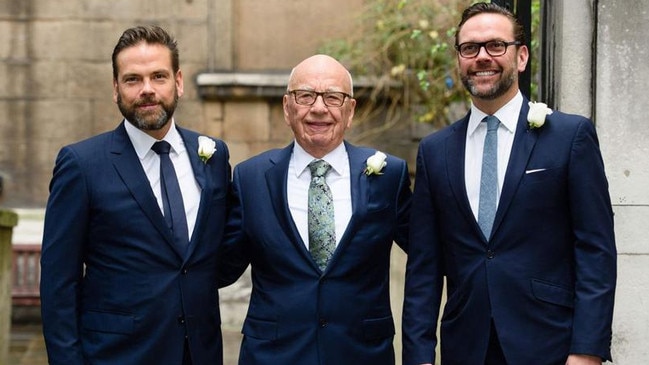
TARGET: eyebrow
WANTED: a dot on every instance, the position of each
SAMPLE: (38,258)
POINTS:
(155,72)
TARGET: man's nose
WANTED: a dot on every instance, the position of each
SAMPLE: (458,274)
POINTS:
(147,87)
(319,103)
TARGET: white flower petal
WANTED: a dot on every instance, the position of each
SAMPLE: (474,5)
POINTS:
(206,148)
(376,163)
(536,115)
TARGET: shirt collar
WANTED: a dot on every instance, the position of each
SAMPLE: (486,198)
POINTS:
(508,114)
(336,158)
(143,142)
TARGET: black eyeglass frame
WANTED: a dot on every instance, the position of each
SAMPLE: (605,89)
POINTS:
(322,94)
(506,45)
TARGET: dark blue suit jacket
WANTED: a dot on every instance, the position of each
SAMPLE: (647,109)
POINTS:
(298,315)
(546,276)
(115,289)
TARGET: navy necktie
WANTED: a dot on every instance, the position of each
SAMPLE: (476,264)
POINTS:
(172,198)
(322,227)
(489,177)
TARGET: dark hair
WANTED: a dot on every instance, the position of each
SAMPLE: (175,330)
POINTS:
(151,34)
(481,8)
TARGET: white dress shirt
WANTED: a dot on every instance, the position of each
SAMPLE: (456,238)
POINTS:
(475,135)
(150,161)
(338,179)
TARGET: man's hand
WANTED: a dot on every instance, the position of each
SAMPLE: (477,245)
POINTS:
(583,360)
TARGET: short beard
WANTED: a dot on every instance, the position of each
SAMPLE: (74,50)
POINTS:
(498,90)
(147,122)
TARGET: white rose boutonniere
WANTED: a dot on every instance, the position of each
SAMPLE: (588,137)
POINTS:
(206,148)
(375,164)
(537,113)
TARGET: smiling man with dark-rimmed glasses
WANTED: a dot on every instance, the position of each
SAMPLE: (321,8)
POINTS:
(513,216)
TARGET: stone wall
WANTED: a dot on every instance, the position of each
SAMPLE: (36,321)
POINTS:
(56,79)
(8,221)
(621,77)
(600,70)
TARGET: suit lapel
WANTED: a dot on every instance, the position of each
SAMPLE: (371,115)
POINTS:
(358,180)
(128,166)
(191,144)
(359,186)
(522,148)
(276,181)
(207,190)
(455,156)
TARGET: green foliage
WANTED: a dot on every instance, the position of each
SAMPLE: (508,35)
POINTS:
(408,44)
(406,48)
(535,45)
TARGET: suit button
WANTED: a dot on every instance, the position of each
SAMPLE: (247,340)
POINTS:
(323,323)
(490,254)
(184,271)
(181,320)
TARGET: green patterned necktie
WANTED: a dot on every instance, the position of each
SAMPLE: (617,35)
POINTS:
(322,229)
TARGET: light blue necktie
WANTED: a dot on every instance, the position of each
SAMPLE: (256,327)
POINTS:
(489,177)
(322,229)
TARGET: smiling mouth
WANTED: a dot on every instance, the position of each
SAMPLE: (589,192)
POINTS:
(484,73)
(319,126)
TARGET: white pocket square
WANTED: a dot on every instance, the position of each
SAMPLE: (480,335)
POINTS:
(533,171)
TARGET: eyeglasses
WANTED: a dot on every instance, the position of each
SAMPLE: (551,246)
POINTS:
(330,98)
(493,48)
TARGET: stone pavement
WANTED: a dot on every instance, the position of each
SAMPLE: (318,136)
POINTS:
(28,348)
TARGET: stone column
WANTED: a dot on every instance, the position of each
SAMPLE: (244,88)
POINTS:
(8,220)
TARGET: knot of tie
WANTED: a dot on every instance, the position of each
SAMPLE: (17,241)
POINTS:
(319,168)
(492,122)
(161,147)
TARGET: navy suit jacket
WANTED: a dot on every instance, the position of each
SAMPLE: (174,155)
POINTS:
(115,289)
(547,274)
(297,314)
